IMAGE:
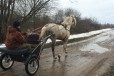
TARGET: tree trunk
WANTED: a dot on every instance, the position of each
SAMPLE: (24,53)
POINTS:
(10,18)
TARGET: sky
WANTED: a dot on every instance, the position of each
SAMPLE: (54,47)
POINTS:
(102,10)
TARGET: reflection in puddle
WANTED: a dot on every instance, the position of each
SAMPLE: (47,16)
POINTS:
(94,48)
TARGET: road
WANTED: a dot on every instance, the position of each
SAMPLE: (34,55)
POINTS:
(90,57)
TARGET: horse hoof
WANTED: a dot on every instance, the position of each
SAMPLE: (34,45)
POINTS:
(59,57)
(55,58)
(66,52)
(66,56)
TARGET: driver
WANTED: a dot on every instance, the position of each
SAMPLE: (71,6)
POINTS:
(15,39)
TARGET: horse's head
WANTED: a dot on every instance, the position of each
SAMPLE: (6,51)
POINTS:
(71,20)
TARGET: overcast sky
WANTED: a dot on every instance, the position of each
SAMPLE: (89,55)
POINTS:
(102,10)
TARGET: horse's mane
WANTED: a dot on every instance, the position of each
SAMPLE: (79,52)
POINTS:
(67,21)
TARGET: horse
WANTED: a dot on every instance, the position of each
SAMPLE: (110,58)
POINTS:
(58,31)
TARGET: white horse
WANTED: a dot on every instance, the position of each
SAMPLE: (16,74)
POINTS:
(61,32)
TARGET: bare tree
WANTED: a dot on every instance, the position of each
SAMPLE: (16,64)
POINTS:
(58,18)
(70,11)
(6,9)
(28,8)
(23,9)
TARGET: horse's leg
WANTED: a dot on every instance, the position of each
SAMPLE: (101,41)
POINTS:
(53,48)
(64,47)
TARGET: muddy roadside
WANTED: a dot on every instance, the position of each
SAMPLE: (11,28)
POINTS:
(76,63)
(107,69)
(99,65)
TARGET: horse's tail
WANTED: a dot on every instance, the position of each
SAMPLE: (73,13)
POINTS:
(43,33)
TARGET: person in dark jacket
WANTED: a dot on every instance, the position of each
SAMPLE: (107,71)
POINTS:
(15,39)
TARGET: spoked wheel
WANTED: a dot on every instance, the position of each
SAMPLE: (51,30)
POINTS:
(6,62)
(32,65)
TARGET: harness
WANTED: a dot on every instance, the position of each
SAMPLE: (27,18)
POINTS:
(65,27)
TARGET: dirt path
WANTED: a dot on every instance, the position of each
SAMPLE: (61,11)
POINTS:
(89,57)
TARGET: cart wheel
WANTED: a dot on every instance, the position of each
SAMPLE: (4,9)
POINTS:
(32,65)
(6,62)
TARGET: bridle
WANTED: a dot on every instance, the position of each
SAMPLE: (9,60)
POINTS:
(64,25)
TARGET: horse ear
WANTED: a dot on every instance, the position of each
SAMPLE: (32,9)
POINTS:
(74,17)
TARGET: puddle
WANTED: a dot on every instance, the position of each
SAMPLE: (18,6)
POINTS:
(64,67)
(102,39)
(94,48)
